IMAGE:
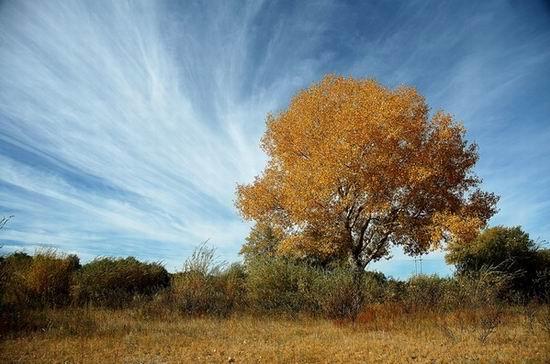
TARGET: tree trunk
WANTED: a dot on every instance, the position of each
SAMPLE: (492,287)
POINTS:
(358,295)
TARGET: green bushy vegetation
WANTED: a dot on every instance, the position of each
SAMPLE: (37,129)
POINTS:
(340,293)
(280,285)
(116,282)
(27,283)
(266,284)
(38,281)
(205,287)
(510,251)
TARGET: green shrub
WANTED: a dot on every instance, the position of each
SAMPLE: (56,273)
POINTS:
(485,287)
(542,285)
(13,290)
(340,293)
(206,287)
(506,249)
(199,294)
(42,280)
(29,283)
(541,291)
(115,282)
(234,285)
(395,290)
(277,284)
(425,292)
(50,277)
(262,241)
(375,287)
(281,285)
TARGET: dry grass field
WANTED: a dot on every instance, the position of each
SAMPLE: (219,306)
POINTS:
(125,336)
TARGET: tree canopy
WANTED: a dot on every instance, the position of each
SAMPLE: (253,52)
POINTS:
(508,250)
(355,167)
(261,242)
(498,247)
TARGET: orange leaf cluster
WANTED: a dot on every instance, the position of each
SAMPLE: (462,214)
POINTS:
(355,167)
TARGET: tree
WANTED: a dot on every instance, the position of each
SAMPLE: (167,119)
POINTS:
(355,167)
(506,249)
(262,241)
(498,247)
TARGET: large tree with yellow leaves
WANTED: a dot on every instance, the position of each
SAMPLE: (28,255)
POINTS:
(355,167)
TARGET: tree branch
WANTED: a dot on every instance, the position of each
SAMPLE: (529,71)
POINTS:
(379,246)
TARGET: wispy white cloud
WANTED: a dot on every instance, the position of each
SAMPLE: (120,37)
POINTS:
(146,119)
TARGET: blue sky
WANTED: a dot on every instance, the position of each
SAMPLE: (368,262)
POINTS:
(125,126)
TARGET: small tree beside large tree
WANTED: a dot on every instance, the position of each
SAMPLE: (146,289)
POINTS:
(355,167)
(507,250)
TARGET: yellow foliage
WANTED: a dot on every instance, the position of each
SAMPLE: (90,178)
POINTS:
(355,167)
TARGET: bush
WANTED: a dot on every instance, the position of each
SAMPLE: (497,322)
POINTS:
(485,287)
(395,290)
(425,292)
(541,289)
(50,277)
(196,294)
(506,249)
(340,293)
(281,285)
(542,286)
(116,282)
(42,280)
(234,286)
(265,285)
(288,286)
(27,283)
(375,287)
(205,287)
(13,268)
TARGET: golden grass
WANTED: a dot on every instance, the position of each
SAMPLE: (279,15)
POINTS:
(101,336)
